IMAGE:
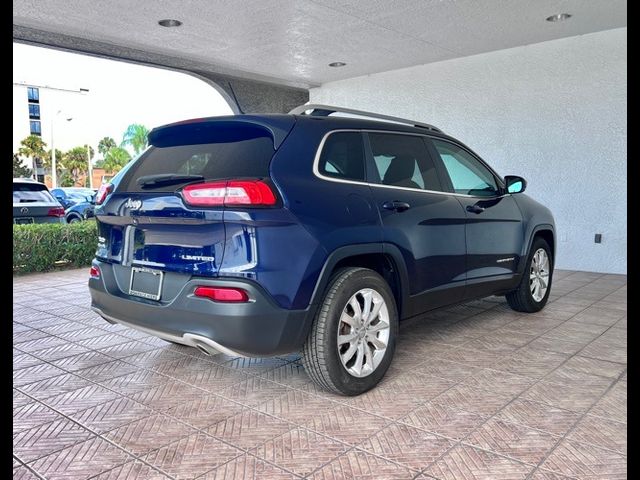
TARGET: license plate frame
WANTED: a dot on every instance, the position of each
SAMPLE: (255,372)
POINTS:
(143,271)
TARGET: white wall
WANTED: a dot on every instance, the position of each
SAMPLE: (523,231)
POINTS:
(553,112)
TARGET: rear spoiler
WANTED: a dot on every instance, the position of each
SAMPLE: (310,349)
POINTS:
(225,128)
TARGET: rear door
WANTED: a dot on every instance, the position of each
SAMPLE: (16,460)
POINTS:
(148,222)
(494,230)
(426,223)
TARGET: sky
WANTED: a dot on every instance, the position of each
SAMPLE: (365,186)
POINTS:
(119,94)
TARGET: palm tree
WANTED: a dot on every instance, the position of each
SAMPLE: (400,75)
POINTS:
(33,147)
(106,144)
(19,170)
(136,136)
(75,162)
(115,159)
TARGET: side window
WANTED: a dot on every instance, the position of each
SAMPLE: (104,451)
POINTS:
(343,156)
(467,174)
(402,161)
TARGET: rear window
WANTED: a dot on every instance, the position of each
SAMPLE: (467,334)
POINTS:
(240,158)
(31,192)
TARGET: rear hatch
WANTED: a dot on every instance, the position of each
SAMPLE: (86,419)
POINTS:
(166,211)
(32,203)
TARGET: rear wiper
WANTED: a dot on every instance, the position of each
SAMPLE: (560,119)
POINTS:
(149,181)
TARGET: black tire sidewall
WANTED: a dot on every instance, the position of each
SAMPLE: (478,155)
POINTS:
(348,384)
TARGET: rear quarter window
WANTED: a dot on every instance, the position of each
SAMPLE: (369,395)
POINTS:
(342,156)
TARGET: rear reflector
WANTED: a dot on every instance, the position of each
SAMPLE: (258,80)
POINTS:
(94,272)
(103,192)
(231,192)
(56,212)
(222,294)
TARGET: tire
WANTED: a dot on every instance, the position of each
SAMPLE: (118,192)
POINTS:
(523,298)
(74,219)
(323,358)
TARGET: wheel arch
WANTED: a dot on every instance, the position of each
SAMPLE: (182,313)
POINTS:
(544,231)
(72,215)
(382,258)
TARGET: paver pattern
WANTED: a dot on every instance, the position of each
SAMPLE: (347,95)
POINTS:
(476,391)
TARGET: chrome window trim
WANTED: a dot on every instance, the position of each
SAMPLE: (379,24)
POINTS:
(316,165)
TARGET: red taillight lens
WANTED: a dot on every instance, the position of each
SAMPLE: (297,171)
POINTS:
(232,192)
(103,192)
(56,212)
(94,272)
(222,294)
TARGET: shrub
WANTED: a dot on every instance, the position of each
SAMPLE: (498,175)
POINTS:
(51,246)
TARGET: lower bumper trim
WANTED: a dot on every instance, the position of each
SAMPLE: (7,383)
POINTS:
(190,339)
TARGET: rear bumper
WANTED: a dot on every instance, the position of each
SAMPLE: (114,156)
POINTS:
(258,328)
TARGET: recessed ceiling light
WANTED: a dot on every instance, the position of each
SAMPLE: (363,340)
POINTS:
(559,17)
(169,23)
(337,64)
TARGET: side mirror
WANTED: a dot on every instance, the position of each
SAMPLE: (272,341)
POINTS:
(90,199)
(59,198)
(515,184)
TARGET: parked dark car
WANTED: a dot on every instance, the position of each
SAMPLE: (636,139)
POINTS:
(69,196)
(259,235)
(81,211)
(33,203)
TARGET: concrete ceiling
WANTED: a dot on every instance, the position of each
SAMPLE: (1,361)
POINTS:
(293,41)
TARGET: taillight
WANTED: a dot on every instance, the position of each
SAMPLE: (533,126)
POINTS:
(103,192)
(231,192)
(222,294)
(56,212)
(94,272)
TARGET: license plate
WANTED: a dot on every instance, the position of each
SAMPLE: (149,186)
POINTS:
(23,221)
(146,283)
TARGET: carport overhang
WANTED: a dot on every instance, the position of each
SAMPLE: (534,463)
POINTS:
(244,92)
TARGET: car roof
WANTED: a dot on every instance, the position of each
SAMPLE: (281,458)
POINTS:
(27,180)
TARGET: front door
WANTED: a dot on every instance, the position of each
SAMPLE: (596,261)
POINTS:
(424,222)
(494,229)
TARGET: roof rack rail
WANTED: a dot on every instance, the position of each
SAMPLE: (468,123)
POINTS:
(318,110)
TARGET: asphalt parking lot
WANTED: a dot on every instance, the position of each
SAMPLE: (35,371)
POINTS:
(476,391)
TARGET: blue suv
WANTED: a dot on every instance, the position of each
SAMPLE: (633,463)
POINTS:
(259,235)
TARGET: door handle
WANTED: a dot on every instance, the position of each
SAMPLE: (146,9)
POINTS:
(475,209)
(397,206)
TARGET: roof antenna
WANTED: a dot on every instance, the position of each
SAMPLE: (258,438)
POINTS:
(235,99)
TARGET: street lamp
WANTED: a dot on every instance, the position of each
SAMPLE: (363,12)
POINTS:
(54,173)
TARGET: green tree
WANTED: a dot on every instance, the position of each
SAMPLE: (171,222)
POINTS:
(46,160)
(106,144)
(115,159)
(75,163)
(33,147)
(136,137)
(20,171)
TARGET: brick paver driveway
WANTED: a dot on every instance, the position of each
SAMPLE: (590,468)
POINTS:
(475,391)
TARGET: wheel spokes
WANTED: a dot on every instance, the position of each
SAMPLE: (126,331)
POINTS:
(367,298)
(379,344)
(349,320)
(348,355)
(363,332)
(348,338)
(359,358)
